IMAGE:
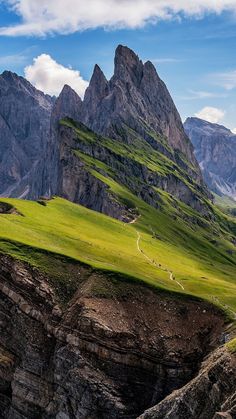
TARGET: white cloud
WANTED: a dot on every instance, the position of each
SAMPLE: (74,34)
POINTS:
(50,77)
(15,59)
(200,94)
(233,130)
(165,60)
(225,79)
(68,16)
(210,114)
(12,60)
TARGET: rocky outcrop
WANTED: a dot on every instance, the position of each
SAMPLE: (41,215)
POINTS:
(113,351)
(24,126)
(211,395)
(77,184)
(215,150)
(135,99)
(68,104)
(134,105)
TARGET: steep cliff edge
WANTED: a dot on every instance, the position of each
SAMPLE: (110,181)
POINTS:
(131,132)
(24,131)
(103,355)
(134,109)
(135,99)
(211,395)
(86,162)
(109,307)
(105,319)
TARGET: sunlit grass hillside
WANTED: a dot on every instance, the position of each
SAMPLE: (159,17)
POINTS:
(157,245)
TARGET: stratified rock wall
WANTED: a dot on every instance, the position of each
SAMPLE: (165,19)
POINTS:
(100,356)
(211,395)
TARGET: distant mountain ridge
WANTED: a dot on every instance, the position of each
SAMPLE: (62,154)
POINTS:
(215,150)
(134,109)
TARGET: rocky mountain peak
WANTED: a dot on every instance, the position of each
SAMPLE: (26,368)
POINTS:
(150,73)
(133,104)
(98,87)
(98,76)
(128,66)
(137,100)
(10,77)
(67,90)
(68,104)
(97,90)
(12,84)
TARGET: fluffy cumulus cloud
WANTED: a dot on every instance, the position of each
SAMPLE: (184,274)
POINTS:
(233,130)
(50,77)
(40,17)
(211,114)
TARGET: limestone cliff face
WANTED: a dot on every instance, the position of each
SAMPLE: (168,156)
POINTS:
(99,356)
(77,184)
(135,98)
(215,149)
(211,395)
(68,104)
(24,130)
(134,105)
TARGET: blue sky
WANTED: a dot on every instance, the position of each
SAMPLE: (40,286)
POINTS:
(194,53)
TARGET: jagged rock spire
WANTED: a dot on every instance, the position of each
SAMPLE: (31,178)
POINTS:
(128,66)
(98,87)
(97,90)
(68,104)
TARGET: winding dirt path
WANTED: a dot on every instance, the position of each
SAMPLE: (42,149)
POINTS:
(171,275)
(152,262)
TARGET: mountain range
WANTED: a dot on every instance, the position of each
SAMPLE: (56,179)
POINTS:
(215,150)
(117,271)
(134,104)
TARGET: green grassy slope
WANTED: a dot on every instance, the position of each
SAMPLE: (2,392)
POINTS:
(199,266)
(141,153)
(172,247)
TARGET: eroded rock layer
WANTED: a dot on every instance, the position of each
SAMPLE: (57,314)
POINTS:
(113,351)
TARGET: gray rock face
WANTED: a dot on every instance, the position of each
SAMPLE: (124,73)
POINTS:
(134,99)
(134,105)
(95,357)
(77,184)
(24,130)
(68,104)
(215,150)
(211,395)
